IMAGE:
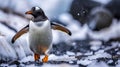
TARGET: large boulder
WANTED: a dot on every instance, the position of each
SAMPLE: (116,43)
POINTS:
(100,18)
(114,8)
(80,9)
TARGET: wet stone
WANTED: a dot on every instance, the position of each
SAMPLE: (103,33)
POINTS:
(15,62)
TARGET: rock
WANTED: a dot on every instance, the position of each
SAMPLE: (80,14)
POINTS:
(113,7)
(100,18)
(81,8)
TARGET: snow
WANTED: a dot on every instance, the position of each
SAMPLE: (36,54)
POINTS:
(118,65)
(3,16)
(53,65)
(95,45)
(59,65)
(102,55)
(26,59)
(102,1)
(66,18)
(91,59)
(51,57)
(18,22)
(6,50)
(19,50)
(8,36)
(70,53)
(4,65)
(61,58)
(84,62)
(4,4)
(78,33)
(98,64)
(106,34)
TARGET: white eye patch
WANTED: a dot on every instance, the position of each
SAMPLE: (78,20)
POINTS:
(37,8)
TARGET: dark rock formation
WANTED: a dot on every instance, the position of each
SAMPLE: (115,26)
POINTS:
(100,18)
(114,8)
(81,8)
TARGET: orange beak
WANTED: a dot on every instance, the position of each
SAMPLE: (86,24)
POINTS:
(28,12)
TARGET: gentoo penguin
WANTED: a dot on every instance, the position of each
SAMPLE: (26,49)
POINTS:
(40,33)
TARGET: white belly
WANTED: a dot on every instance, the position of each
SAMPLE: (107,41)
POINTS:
(40,36)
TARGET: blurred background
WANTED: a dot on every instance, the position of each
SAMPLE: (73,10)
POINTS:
(94,25)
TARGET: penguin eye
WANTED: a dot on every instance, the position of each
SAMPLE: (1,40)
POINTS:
(33,9)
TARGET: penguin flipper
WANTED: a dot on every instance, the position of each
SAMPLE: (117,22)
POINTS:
(21,32)
(61,28)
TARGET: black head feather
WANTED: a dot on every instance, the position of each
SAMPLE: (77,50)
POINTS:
(38,14)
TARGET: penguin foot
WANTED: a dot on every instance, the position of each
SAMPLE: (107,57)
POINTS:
(45,59)
(36,57)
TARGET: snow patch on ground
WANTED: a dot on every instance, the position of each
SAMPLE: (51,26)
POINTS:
(98,64)
(95,45)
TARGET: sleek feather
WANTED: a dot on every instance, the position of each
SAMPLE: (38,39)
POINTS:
(21,32)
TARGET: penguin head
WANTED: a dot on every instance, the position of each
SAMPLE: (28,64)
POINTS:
(37,13)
